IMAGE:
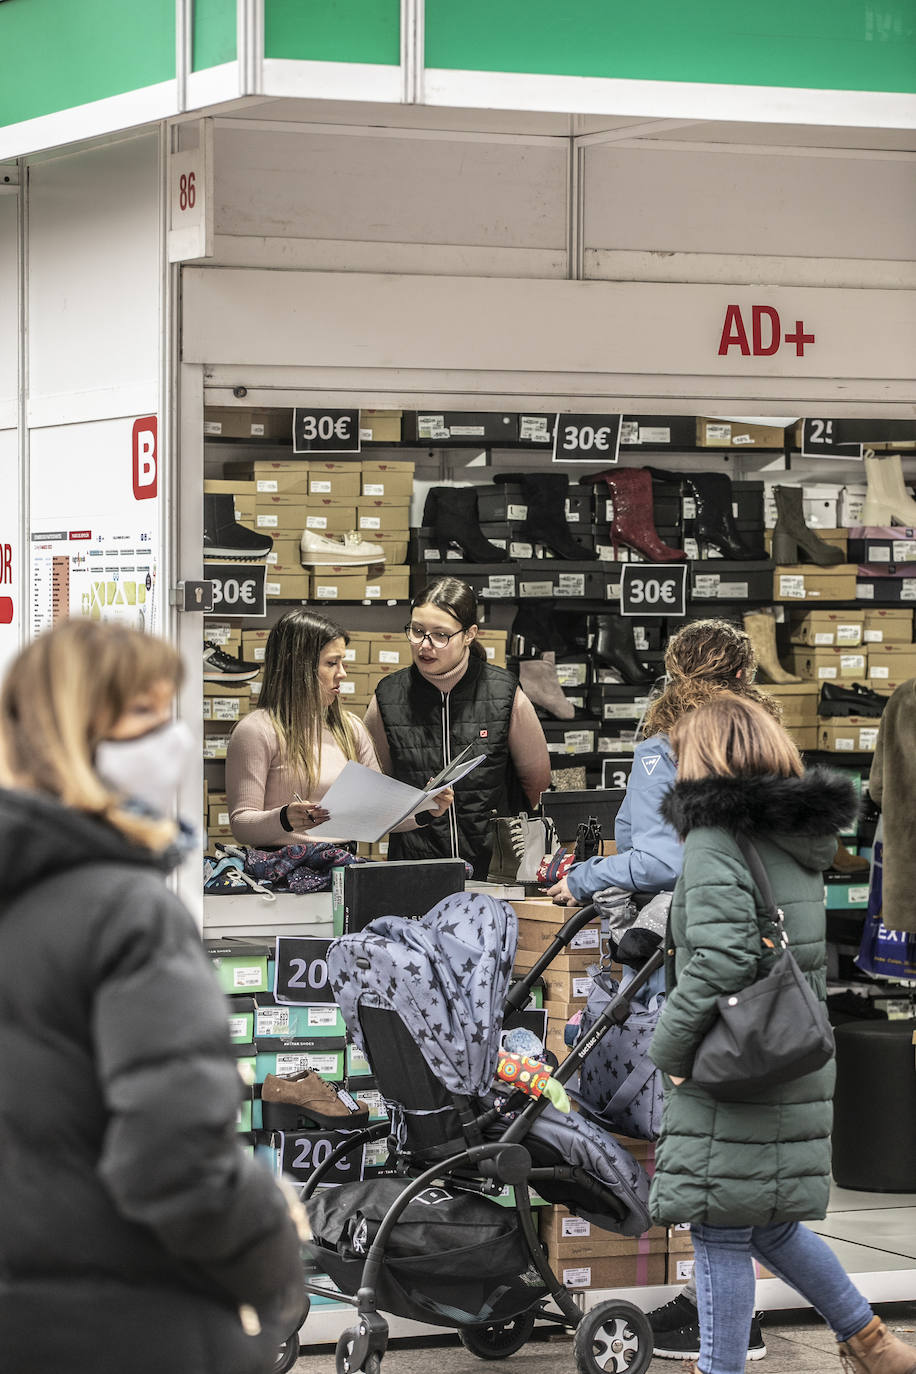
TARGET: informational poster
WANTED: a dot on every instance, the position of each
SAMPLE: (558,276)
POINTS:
(100,571)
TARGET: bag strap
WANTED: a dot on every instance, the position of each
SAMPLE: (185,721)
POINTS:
(760,876)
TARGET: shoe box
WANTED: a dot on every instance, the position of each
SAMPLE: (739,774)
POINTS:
(636,1269)
(617,701)
(847,663)
(424,546)
(240,963)
(388,515)
(847,735)
(504,504)
(226,701)
(721,580)
(836,538)
(798,701)
(569,810)
(807,582)
(571,739)
(361,892)
(738,434)
(568,1237)
(884,544)
(890,663)
(892,625)
(827,629)
(330,584)
(338,480)
(886,588)
(243,422)
(458,428)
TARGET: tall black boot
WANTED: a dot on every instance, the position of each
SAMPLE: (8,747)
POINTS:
(545,497)
(792,535)
(224,537)
(715,523)
(452,514)
(614,647)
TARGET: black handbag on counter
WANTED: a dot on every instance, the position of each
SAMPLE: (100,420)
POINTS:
(771,1032)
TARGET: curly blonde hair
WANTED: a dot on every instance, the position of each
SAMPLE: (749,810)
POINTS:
(703,659)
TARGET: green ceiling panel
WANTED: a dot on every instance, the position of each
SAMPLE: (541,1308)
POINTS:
(333,30)
(61,53)
(824,44)
(215,33)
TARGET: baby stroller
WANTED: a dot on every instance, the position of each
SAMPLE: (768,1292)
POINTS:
(426,1000)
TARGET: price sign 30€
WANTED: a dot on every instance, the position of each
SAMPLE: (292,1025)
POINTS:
(586,438)
(653,589)
(239,589)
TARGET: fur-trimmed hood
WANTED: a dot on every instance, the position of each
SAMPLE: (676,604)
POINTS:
(791,811)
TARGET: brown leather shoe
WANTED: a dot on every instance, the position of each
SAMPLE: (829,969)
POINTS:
(304,1100)
(875,1350)
(844,862)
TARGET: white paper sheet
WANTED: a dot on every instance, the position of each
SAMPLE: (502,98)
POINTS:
(365,805)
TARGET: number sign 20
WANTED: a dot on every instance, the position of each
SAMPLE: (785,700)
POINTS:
(304,1151)
(653,589)
(302,971)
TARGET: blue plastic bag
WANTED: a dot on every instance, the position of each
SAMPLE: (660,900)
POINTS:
(884,953)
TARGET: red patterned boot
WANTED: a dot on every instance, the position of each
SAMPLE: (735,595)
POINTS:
(631,492)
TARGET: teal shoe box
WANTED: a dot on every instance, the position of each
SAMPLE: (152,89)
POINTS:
(240,964)
(284,1021)
(246,1056)
(357,1063)
(365,1090)
(287,1056)
(241,1020)
(243,1121)
(845,895)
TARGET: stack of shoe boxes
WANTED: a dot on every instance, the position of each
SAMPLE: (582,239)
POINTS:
(567,981)
(224,701)
(585,1257)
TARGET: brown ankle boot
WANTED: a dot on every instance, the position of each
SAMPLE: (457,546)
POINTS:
(844,862)
(292,1103)
(875,1350)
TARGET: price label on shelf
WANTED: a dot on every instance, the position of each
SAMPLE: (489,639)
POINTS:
(326,431)
(304,1151)
(653,589)
(239,589)
(302,970)
(820,439)
(586,438)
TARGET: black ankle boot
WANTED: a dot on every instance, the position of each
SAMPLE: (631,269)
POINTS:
(537,630)
(452,514)
(224,537)
(715,523)
(545,497)
(615,647)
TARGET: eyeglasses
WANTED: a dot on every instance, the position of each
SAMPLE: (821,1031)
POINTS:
(437,638)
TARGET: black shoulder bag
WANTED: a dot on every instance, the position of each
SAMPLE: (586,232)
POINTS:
(771,1032)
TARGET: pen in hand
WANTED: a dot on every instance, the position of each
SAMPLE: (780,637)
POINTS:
(314,814)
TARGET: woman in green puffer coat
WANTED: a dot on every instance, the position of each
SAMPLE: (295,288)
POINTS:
(745,1174)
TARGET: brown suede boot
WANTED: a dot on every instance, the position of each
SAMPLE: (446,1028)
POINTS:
(844,862)
(290,1104)
(875,1350)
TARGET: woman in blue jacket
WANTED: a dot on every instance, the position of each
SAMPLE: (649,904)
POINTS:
(704,658)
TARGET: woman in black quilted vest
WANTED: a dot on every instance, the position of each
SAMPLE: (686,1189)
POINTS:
(423,716)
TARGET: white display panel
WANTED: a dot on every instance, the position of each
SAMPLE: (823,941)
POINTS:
(9,297)
(10,547)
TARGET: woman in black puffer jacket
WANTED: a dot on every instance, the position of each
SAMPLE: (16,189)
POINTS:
(136,1235)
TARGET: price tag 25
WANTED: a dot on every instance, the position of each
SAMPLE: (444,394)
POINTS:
(653,589)
(326,431)
(586,438)
(301,975)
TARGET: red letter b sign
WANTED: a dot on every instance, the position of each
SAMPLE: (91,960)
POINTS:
(145,457)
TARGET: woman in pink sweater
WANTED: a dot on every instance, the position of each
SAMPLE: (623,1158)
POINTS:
(299,739)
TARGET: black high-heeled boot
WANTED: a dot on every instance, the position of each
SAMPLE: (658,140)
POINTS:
(536,630)
(545,497)
(715,523)
(452,514)
(614,647)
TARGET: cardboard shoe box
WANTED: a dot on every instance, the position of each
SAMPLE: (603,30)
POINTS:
(891,663)
(798,701)
(570,1237)
(337,480)
(326,515)
(381,515)
(807,582)
(275,514)
(830,665)
(281,478)
(385,480)
(850,735)
(380,426)
(393,585)
(735,434)
(827,629)
(328,585)
(888,625)
(243,422)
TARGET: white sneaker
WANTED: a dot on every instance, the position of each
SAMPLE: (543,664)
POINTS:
(319,550)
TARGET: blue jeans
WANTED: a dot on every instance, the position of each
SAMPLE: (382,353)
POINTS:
(725,1286)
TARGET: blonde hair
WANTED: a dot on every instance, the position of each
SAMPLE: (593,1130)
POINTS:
(60,698)
(704,658)
(732,736)
(291,692)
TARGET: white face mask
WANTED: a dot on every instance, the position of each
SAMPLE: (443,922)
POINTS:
(148,768)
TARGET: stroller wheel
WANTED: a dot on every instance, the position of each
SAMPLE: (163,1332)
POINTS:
(614,1337)
(287,1355)
(497,1340)
(342,1356)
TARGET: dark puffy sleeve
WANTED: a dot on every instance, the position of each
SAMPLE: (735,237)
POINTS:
(171,1159)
